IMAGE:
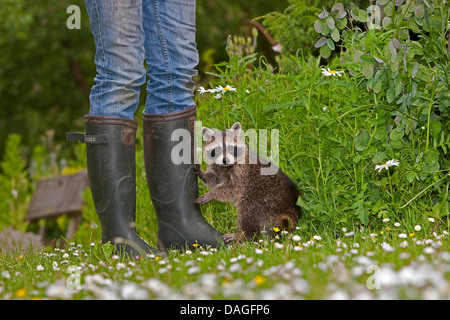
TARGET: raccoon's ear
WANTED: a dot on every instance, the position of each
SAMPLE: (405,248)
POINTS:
(207,133)
(236,127)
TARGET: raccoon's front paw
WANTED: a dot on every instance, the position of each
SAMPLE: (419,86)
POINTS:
(230,237)
(203,199)
(197,170)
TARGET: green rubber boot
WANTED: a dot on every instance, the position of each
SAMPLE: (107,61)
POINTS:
(110,149)
(173,185)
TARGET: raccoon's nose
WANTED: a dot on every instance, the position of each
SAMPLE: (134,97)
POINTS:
(226,160)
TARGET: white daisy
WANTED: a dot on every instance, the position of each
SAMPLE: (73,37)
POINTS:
(327,72)
(386,165)
(202,90)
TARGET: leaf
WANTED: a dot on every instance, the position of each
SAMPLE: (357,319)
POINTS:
(389,9)
(341,23)
(378,157)
(415,69)
(378,85)
(436,129)
(330,43)
(397,133)
(390,95)
(324,14)
(367,70)
(369,85)
(397,144)
(321,42)
(398,88)
(337,153)
(413,89)
(419,12)
(339,7)
(318,26)
(392,50)
(386,21)
(326,30)
(363,15)
(325,51)
(335,35)
(394,66)
(361,212)
(330,22)
(382,2)
(411,176)
(419,21)
(397,44)
(412,24)
(357,159)
(368,58)
(362,140)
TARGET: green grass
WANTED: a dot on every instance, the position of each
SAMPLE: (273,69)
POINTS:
(284,268)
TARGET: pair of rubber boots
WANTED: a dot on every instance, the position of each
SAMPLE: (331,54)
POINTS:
(111,165)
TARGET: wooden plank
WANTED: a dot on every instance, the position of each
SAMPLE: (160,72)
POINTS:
(57,196)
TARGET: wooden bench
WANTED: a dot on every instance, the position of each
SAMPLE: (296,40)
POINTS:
(59,196)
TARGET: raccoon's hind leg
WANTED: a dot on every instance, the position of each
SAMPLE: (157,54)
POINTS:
(238,236)
(230,237)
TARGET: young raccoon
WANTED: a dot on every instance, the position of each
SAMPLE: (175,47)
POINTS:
(263,201)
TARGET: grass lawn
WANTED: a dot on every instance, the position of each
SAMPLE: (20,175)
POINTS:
(392,264)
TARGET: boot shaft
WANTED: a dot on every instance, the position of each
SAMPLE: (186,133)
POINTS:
(173,184)
(111,166)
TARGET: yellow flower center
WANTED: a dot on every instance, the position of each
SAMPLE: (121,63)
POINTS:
(259,280)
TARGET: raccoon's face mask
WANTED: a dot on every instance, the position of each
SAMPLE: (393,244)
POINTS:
(224,148)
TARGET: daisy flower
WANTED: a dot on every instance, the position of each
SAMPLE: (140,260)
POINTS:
(386,165)
(202,90)
(219,90)
(417,227)
(327,72)
(228,88)
(39,267)
(431,219)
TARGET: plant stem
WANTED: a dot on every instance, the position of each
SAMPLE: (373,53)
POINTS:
(390,185)
(428,118)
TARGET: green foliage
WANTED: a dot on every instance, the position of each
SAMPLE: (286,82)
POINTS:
(47,69)
(14,186)
(332,134)
(294,27)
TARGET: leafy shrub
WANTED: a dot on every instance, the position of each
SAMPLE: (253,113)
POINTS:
(387,104)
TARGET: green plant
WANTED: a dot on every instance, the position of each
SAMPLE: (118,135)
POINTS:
(14,186)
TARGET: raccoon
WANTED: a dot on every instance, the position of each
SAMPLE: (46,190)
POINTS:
(263,202)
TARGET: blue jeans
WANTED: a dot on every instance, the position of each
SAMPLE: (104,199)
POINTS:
(129,32)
